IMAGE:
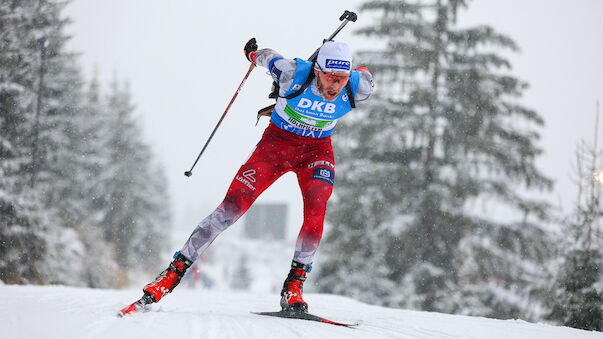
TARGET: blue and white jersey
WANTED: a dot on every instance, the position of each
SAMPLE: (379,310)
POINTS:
(308,114)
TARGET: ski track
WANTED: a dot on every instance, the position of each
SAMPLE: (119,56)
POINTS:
(31,312)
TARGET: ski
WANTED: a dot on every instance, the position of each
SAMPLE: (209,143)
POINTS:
(306,316)
(139,305)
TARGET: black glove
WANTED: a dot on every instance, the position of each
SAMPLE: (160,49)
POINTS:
(250,47)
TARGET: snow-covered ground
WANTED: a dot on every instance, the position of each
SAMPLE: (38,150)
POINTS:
(28,312)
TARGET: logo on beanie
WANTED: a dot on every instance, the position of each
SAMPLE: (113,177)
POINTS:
(338,64)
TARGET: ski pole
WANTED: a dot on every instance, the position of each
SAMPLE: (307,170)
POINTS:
(346,17)
(190,172)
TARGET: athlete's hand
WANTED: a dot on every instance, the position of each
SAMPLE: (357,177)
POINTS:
(250,47)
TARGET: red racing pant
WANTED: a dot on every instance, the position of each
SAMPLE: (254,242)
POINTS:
(277,153)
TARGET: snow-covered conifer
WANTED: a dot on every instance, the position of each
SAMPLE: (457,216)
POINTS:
(443,140)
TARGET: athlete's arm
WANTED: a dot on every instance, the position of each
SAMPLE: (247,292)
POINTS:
(365,85)
(282,70)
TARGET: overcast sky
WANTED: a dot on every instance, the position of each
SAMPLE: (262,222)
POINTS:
(184,61)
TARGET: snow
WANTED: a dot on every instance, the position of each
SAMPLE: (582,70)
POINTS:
(67,312)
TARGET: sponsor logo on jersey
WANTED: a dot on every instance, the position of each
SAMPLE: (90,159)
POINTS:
(316,105)
(322,162)
(325,174)
(249,175)
(338,64)
(297,124)
(247,178)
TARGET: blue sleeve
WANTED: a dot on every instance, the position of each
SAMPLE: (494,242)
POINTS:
(274,71)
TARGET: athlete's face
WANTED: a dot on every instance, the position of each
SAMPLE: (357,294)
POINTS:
(331,84)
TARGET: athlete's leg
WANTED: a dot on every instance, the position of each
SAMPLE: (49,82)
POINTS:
(265,165)
(316,183)
(258,173)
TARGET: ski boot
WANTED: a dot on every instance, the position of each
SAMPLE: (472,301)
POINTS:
(291,296)
(163,284)
(168,279)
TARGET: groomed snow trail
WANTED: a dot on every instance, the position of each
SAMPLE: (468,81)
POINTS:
(65,312)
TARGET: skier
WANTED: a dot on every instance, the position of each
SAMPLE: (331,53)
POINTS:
(312,97)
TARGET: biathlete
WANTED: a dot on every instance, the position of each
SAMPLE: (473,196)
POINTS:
(312,97)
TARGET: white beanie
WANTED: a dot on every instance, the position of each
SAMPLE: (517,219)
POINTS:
(334,57)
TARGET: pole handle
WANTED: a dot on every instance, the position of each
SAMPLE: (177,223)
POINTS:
(347,15)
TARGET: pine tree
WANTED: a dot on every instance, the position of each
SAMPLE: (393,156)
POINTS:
(577,300)
(78,255)
(442,137)
(135,205)
(153,218)
(30,31)
(58,155)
